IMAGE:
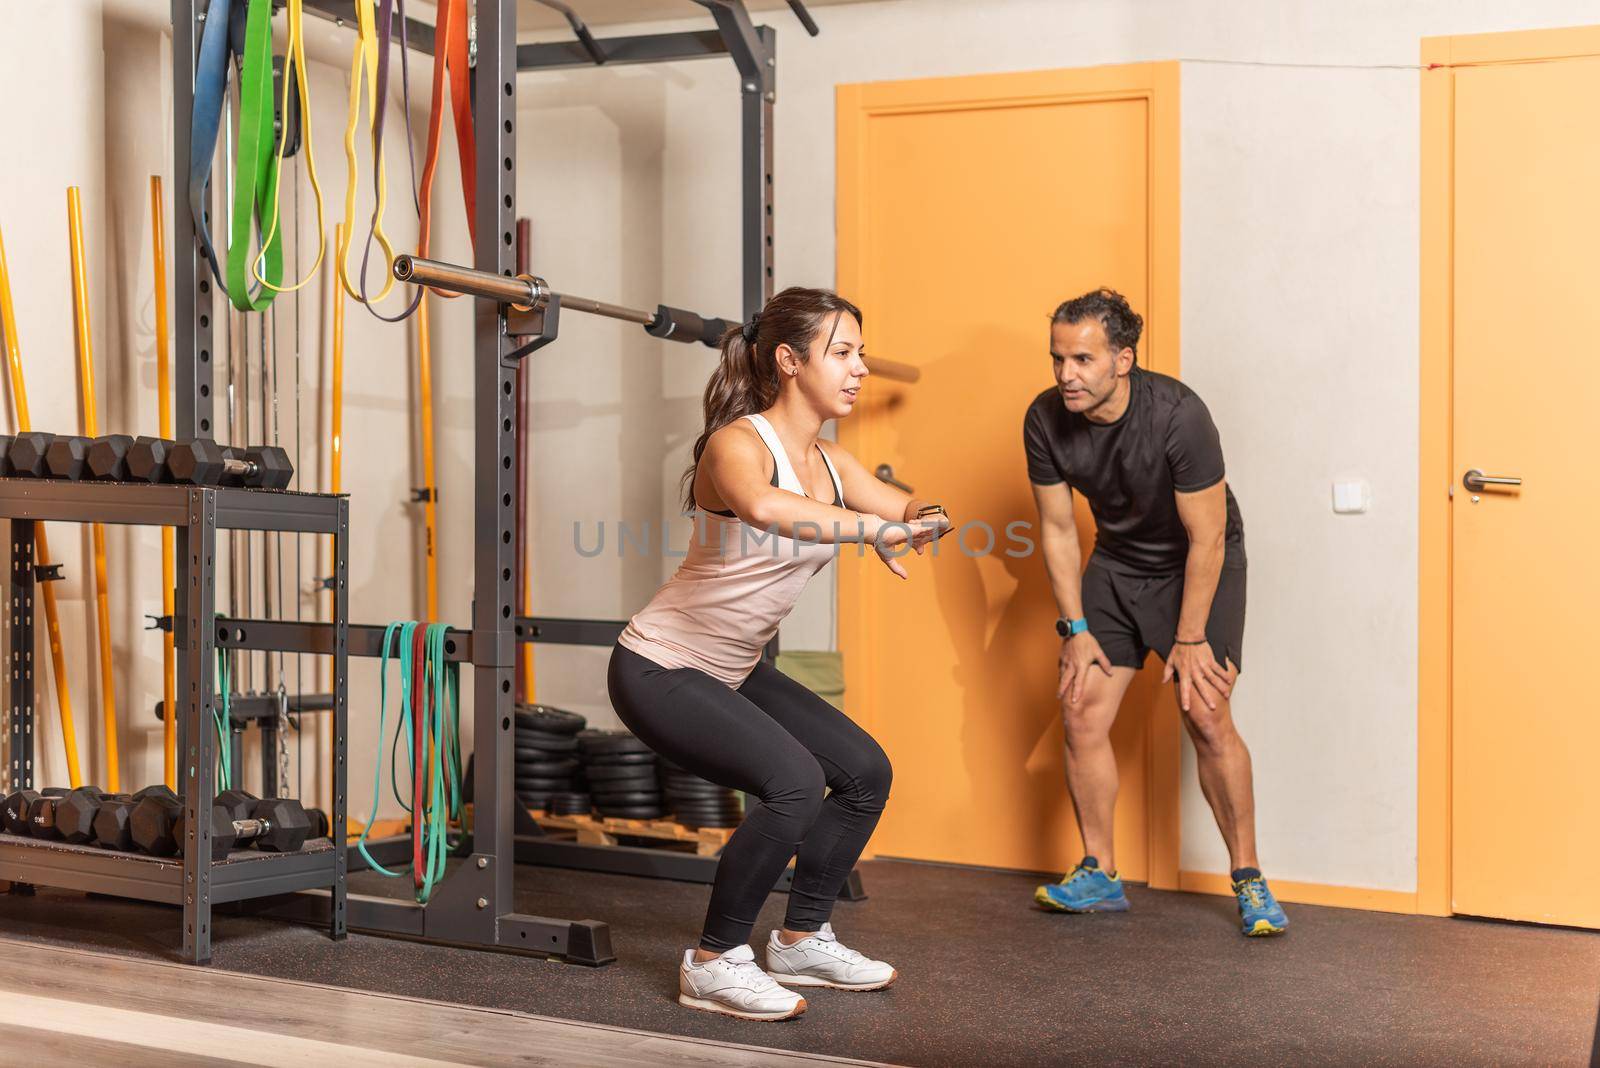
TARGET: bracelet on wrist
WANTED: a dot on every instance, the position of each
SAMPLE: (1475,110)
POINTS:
(1202,641)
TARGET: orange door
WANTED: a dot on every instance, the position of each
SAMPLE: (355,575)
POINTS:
(969,208)
(1525,735)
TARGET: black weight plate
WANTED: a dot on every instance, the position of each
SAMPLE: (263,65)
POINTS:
(611,789)
(545,767)
(716,793)
(600,786)
(532,800)
(628,797)
(611,742)
(634,812)
(703,806)
(543,786)
(694,789)
(546,718)
(614,759)
(571,795)
(697,810)
(722,800)
(668,775)
(545,740)
(610,772)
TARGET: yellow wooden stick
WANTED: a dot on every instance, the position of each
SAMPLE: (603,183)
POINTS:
(336,462)
(169,689)
(97,532)
(19,397)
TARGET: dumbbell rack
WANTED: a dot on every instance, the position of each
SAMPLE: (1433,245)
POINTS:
(194,881)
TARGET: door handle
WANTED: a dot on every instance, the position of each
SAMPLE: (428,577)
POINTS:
(885,473)
(1476,481)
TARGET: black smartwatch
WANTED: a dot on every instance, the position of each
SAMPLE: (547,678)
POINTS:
(1068,629)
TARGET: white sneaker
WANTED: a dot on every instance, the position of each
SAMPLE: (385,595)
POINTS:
(734,985)
(822,960)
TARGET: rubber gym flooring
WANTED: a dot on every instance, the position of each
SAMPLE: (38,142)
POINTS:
(986,978)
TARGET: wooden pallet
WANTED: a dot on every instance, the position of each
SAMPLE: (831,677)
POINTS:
(592,830)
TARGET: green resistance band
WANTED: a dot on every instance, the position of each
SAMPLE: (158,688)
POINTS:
(255,191)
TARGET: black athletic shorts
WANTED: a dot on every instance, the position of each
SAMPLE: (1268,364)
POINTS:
(1130,615)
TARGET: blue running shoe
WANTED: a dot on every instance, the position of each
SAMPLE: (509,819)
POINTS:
(1085,889)
(1260,914)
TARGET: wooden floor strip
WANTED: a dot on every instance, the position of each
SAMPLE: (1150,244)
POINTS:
(83,1008)
(159,1032)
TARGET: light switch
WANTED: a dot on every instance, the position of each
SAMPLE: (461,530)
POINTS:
(1351,496)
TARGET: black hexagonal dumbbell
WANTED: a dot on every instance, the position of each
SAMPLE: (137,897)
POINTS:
(265,467)
(281,825)
(231,807)
(75,813)
(276,825)
(42,813)
(108,457)
(147,460)
(19,807)
(5,454)
(26,454)
(111,822)
(67,458)
(151,824)
(202,462)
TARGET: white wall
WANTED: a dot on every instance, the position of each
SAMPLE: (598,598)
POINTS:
(1299,245)
(1299,296)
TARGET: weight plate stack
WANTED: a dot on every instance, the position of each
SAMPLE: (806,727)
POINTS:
(545,757)
(694,802)
(620,772)
(569,804)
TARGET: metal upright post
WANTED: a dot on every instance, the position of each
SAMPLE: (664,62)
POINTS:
(755,54)
(495,381)
(192,330)
(196,646)
(19,774)
(338,820)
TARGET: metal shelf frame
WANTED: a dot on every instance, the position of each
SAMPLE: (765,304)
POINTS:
(195,881)
(472,907)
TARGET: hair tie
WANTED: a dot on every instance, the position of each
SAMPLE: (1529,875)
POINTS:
(751,329)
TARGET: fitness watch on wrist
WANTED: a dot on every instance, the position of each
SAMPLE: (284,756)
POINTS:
(1071,629)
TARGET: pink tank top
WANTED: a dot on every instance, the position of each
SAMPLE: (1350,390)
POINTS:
(735,585)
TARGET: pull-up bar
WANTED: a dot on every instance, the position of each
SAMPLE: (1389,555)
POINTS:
(528,293)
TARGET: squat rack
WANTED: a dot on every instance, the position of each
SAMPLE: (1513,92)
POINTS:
(473,904)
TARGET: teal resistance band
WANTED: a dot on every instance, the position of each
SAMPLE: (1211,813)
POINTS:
(223,720)
(405,630)
(443,726)
(443,729)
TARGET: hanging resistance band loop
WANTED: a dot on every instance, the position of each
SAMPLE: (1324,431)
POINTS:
(256,167)
(363,60)
(296,51)
(210,89)
(429,720)
(386,15)
(452,64)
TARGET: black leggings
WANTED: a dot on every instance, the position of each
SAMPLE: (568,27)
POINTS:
(776,740)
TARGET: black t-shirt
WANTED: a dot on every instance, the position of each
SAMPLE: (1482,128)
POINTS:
(1165,443)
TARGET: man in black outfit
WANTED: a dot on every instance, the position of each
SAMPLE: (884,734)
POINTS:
(1167,574)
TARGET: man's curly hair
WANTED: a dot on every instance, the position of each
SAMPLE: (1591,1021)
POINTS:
(1122,324)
